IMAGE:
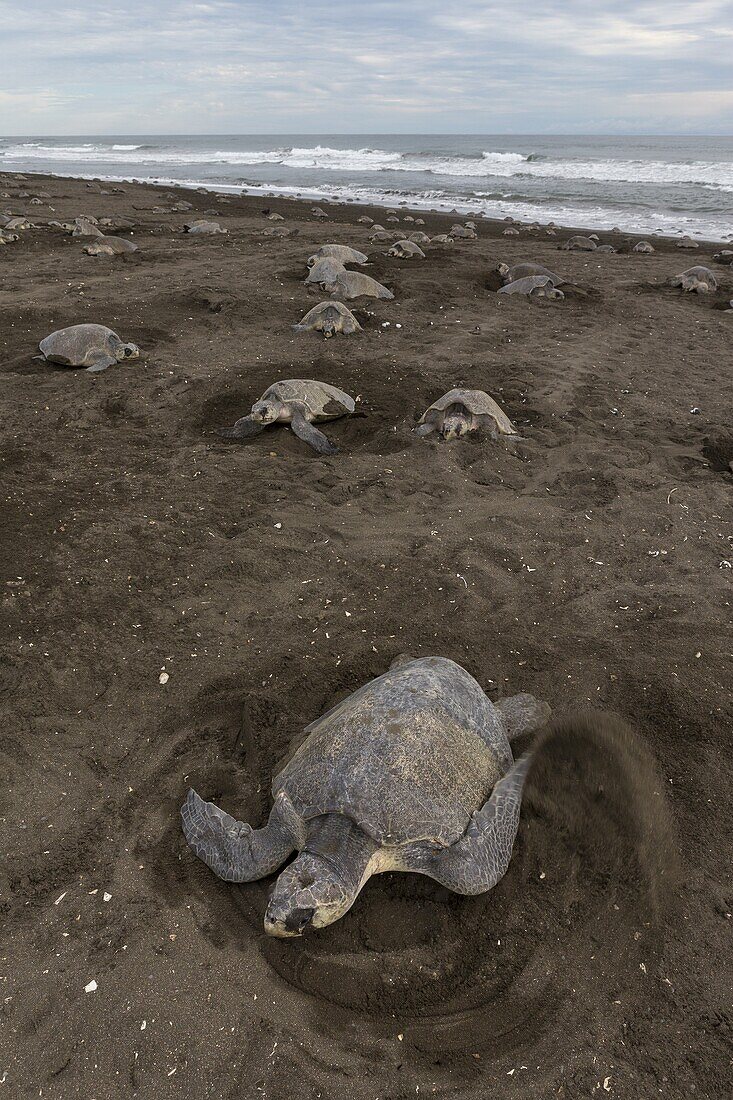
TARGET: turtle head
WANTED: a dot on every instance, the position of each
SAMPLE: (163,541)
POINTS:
(127,351)
(265,412)
(310,893)
(502,269)
(455,426)
(328,327)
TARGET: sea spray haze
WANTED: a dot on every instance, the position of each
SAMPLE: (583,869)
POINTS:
(672,185)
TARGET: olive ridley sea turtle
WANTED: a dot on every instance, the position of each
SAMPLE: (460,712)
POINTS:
(533,286)
(109,246)
(412,772)
(700,280)
(459,412)
(522,271)
(329,318)
(202,227)
(298,402)
(341,252)
(579,244)
(354,284)
(406,250)
(95,347)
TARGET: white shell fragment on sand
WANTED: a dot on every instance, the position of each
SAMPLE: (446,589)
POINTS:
(163,678)
(92,985)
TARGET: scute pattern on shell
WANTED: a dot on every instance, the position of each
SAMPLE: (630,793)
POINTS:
(315,395)
(408,757)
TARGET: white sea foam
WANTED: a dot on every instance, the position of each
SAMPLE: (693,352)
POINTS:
(670,196)
(717,174)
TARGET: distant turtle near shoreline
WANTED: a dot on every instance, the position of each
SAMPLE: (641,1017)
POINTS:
(329,318)
(95,347)
(578,244)
(460,232)
(414,771)
(696,280)
(644,247)
(299,402)
(460,412)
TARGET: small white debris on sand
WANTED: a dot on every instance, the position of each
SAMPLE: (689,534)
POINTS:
(90,987)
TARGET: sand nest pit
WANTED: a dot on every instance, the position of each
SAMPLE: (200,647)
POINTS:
(581,906)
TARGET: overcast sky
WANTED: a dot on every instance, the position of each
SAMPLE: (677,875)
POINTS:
(366,66)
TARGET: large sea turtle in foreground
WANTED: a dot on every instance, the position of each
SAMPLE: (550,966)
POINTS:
(413,772)
(299,402)
(459,412)
(95,347)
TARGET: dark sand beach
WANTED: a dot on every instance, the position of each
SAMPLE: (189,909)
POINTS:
(588,563)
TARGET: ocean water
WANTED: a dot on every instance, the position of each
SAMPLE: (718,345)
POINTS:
(644,184)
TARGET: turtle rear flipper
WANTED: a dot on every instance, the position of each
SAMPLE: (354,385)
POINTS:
(232,849)
(245,428)
(312,436)
(476,862)
(522,714)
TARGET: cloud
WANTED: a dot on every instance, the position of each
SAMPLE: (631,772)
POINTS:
(239,66)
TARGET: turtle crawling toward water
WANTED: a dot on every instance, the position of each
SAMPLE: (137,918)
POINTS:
(95,347)
(299,402)
(459,412)
(329,318)
(412,772)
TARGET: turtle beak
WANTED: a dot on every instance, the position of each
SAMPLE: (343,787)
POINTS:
(291,924)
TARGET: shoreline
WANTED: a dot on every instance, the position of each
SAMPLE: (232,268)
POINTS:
(465,208)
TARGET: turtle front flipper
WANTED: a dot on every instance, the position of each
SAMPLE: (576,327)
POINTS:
(245,428)
(233,849)
(476,862)
(101,362)
(311,435)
